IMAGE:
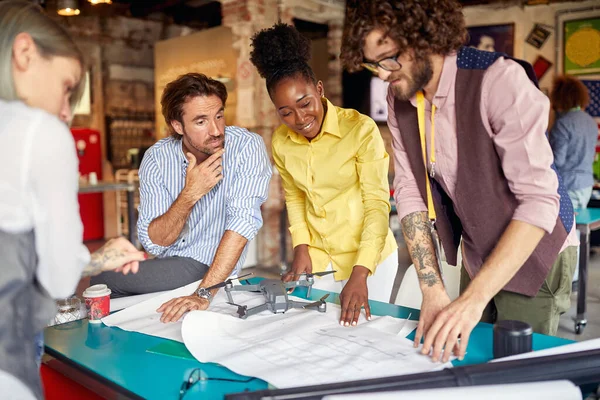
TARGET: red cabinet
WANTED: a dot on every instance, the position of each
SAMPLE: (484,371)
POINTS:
(91,207)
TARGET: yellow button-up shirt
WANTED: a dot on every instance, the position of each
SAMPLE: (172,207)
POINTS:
(337,191)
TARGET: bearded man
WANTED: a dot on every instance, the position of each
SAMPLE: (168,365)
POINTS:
(472,165)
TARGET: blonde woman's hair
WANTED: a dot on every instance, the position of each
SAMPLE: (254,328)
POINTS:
(51,39)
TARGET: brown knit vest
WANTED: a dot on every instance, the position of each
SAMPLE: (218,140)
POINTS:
(484,204)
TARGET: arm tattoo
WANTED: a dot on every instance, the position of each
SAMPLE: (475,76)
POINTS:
(99,260)
(417,234)
(423,255)
(413,223)
(430,278)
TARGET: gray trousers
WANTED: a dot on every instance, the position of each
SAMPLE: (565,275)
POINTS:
(154,275)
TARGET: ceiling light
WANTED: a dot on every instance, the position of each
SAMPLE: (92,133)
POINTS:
(67,8)
(94,2)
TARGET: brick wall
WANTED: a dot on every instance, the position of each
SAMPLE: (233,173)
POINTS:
(255,110)
(245,17)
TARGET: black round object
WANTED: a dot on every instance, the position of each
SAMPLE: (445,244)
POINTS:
(512,337)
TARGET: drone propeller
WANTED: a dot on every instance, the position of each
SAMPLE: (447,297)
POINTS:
(227,282)
(316,303)
(323,273)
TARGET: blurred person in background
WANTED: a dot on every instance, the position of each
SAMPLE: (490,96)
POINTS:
(573,138)
(40,228)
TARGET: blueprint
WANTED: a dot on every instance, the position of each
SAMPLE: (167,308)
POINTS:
(142,316)
(299,347)
(304,348)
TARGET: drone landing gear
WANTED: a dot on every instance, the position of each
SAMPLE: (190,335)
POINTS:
(245,312)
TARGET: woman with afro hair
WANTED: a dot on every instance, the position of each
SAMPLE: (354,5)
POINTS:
(334,170)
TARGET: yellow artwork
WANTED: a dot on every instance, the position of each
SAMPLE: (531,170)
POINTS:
(582,47)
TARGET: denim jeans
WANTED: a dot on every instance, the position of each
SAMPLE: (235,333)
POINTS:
(580,198)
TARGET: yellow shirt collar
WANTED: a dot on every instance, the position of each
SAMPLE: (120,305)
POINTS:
(330,124)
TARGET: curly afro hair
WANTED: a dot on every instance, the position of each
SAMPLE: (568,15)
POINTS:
(281,52)
(568,92)
(426,26)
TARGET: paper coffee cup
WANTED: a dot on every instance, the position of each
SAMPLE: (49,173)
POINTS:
(97,302)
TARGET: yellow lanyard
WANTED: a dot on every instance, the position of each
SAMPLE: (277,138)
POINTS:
(421,116)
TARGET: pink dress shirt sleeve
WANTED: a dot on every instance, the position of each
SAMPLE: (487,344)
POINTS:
(517,114)
(406,192)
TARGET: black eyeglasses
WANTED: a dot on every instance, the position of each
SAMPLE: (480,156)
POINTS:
(388,64)
(198,375)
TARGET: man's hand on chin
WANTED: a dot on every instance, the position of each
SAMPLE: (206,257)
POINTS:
(174,309)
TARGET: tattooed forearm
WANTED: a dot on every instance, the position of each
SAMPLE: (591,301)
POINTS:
(414,223)
(422,256)
(430,279)
(99,260)
(417,234)
(93,268)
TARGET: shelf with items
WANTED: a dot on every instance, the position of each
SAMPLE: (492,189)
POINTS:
(128,131)
(130,176)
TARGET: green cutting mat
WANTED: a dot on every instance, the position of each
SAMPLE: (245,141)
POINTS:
(173,349)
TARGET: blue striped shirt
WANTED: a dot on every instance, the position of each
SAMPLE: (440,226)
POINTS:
(233,204)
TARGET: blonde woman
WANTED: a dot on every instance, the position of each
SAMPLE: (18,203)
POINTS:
(40,229)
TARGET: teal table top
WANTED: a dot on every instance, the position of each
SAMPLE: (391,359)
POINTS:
(587,216)
(155,368)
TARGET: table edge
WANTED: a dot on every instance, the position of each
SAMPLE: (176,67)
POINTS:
(86,372)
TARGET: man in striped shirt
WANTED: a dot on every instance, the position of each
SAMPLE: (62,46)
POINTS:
(200,195)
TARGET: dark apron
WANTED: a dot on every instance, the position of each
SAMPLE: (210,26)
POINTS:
(25,308)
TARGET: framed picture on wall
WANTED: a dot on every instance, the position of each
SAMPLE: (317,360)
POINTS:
(541,65)
(581,42)
(500,38)
(538,36)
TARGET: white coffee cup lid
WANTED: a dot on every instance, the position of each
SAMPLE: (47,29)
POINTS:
(97,291)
